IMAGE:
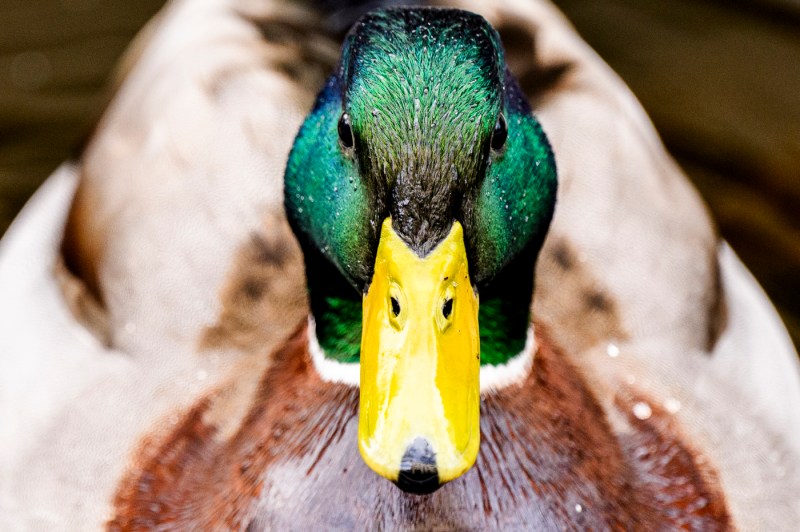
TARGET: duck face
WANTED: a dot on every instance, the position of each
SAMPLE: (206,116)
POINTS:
(419,175)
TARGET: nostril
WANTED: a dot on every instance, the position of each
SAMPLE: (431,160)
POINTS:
(395,306)
(418,472)
(447,308)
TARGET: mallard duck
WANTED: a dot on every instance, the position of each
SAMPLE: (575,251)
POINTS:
(419,183)
(176,357)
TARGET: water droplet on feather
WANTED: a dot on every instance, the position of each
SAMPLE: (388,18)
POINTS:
(642,410)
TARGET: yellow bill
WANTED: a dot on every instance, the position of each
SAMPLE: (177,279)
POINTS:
(420,364)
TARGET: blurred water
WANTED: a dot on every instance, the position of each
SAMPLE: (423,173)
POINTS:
(55,59)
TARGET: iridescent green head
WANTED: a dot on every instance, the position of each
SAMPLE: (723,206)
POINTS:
(423,123)
(420,151)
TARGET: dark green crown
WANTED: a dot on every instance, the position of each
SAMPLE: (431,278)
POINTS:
(423,91)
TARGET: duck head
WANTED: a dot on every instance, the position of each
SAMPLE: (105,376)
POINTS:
(419,185)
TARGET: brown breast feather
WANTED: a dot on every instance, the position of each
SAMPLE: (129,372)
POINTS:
(548,460)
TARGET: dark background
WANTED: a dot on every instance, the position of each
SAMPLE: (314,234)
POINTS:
(720,79)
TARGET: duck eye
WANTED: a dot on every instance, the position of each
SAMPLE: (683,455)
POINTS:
(447,308)
(395,307)
(500,133)
(345,131)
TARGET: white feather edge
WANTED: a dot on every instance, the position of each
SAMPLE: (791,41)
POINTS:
(493,378)
(348,373)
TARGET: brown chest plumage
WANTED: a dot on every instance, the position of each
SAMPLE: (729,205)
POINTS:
(548,460)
